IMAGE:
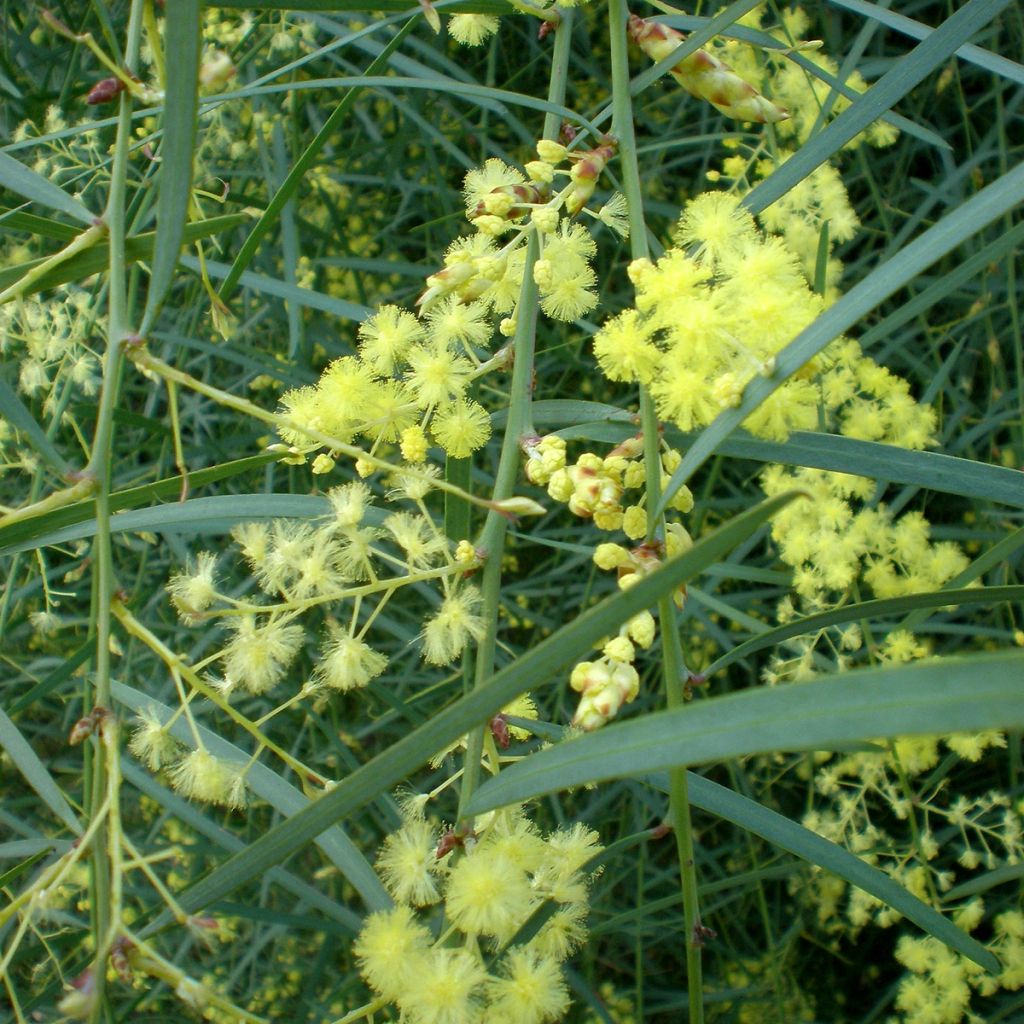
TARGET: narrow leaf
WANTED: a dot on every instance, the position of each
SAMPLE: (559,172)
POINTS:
(788,835)
(14,411)
(15,176)
(35,532)
(866,610)
(887,91)
(302,165)
(182,38)
(927,698)
(195,819)
(25,759)
(269,786)
(96,258)
(530,671)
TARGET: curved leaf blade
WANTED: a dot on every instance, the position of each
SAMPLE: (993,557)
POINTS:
(789,835)
(528,672)
(14,175)
(932,697)
(182,40)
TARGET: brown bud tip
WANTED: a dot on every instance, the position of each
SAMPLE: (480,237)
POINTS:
(660,831)
(499,730)
(81,730)
(451,840)
(104,91)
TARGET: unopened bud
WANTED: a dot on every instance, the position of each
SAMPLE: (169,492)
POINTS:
(550,151)
(514,507)
(104,91)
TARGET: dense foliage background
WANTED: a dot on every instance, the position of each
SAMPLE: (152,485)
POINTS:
(370,216)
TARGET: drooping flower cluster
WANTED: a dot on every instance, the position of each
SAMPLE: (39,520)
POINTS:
(488,885)
(595,488)
(357,556)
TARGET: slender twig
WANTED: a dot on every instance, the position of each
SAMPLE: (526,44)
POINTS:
(105,889)
(517,426)
(673,669)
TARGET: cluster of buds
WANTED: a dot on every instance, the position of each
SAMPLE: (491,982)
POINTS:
(703,75)
(592,489)
(545,456)
(505,204)
(632,564)
(605,685)
(594,486)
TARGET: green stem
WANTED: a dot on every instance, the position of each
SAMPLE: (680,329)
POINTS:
(674,671)
(106,911)
(492,538)
(518,426)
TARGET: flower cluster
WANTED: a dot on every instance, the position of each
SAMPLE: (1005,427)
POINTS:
(356,556)
(500,200)
(409,384)
(489,886)
(595,487)
(939,988)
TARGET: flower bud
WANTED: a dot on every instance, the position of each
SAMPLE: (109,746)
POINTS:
(550,151)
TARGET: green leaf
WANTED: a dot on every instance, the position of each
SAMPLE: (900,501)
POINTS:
(42,846)
(527,673)
(13,410)
(282,290)
(926,698)
(269,786)
(788,835)
(933,470)
(60,675)
(969,52)
(15,176)
(195,819)
(39,530)
(969,218)
(302,165)
(866,611)
(96,258)
(214,514)
(44,227)
(182,37)
(24,758)
(907,72)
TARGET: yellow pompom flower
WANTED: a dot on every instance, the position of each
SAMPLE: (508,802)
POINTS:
(386,337)
(472,29)
(407,863)
(529,990)
(488,894)
(461,428)
(392,951)
(453,626)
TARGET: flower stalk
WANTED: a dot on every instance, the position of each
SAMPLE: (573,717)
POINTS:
(674,672)
(518,426)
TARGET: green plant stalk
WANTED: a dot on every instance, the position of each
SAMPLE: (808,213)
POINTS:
(492,537)
(518,425)
(674,671)
(106,890)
